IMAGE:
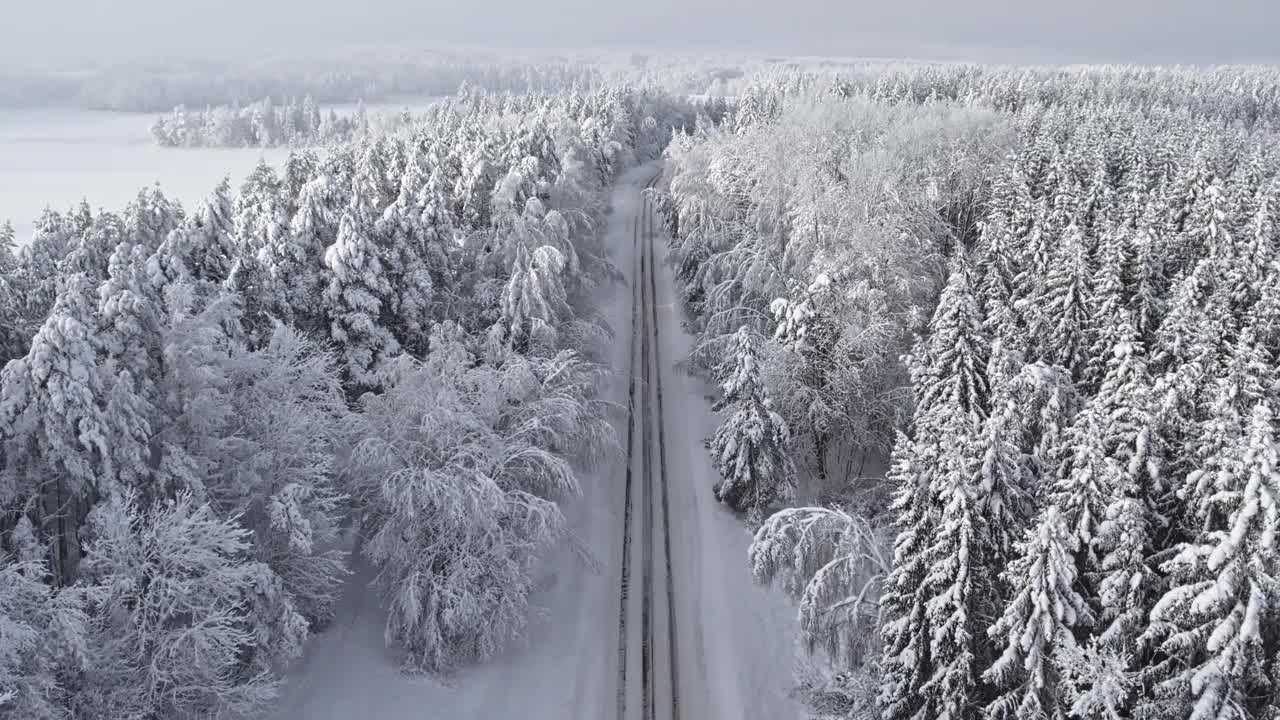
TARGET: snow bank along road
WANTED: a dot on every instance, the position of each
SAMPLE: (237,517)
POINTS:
(668,626)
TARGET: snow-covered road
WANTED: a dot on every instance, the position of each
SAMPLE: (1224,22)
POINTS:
(733,646)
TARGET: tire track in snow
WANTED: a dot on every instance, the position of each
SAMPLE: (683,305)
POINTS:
(662,475)
(637,321)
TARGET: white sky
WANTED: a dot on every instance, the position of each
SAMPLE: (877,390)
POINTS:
(42,31)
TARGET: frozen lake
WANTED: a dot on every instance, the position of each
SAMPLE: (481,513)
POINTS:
(53,157)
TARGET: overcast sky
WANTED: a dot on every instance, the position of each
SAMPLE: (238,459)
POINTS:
(35,31)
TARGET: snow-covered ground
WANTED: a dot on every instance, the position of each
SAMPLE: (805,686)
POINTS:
(735,643)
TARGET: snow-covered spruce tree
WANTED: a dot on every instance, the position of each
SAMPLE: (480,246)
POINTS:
(997,270)
(169,637)
(957,588)
(1108,302)
(56,454)
(1146,275)
(258,294)
(1038,623)
(440,241)
(1217,620)
(750,448)
(1244,264)
(300,168)
(934,597)
(1246,375)
(1063,312)
(1002,481)
(1127,536)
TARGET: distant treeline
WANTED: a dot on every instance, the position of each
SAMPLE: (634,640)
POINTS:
(266,124)
(142,88)
(152,87)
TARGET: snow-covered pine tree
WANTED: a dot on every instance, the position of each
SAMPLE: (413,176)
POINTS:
(257,213)
(534,301)
(150,218)
(90,250)
(750,448)
(401,229)
(312,230)
(56,453)
(358,295)
(13,333)
(211,232)
(8,243)
(38,266)
(43,643)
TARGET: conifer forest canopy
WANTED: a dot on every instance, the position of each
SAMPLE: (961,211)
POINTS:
(702,360)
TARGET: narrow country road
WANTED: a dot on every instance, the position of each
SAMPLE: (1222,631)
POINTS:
(667,626)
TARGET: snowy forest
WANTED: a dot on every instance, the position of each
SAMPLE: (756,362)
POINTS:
(395,337)
(992,356)
(1045,304)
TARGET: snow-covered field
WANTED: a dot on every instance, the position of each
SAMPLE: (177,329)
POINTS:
(736,647)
